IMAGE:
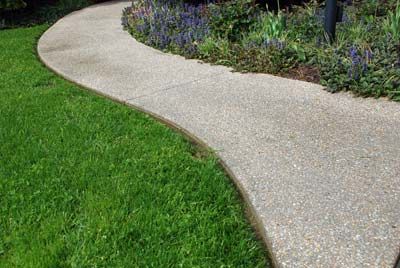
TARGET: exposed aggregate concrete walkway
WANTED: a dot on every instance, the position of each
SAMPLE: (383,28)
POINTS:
(320,170)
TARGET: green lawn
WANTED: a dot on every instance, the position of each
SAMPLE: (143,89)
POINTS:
(86,182)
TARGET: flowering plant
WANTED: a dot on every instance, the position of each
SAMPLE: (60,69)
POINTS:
(169,24)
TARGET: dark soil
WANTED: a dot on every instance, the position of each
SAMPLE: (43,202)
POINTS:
(304,73)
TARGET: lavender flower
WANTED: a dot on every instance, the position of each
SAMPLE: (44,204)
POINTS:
(359,63)
(169,24)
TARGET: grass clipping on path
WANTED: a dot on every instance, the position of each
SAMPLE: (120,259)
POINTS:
(85,182)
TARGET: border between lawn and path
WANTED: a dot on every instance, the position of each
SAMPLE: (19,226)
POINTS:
(250,211)
(397,263)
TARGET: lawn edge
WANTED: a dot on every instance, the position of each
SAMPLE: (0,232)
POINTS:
(397,262)
(249,210)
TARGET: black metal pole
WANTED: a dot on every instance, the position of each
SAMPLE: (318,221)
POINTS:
(330,19)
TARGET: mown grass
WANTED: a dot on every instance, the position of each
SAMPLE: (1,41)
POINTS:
(85,182)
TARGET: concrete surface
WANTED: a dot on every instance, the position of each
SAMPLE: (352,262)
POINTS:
(320,170)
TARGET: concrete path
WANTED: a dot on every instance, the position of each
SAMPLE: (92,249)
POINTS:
(320,170)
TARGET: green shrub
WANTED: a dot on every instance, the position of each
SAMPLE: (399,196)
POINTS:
(270,59)
(305,23)
(31,12)
(231,19)
(215,50)
(29,4)
(11,4)
(51,13)
(269,27)
(208,48)
(392,23)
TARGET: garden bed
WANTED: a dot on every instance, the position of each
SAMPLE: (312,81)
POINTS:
(364,58)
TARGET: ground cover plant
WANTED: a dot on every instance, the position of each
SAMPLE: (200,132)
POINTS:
(364,58)
(86,182)
(16,13)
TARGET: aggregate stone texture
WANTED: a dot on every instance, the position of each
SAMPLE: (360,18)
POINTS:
(320,170)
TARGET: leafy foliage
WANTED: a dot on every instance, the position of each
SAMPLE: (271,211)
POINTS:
(392,23)
(31,12)
(51,13)
(168,25)
(11,4)
(231,19)
(269,28)
(365,58)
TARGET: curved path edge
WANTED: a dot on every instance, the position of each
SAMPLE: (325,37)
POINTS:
(319,172)
(250,211)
